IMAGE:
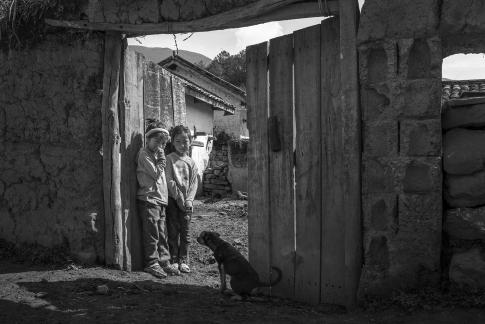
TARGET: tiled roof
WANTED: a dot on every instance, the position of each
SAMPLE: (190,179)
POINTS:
(215,101)
(453,89)
(175,58)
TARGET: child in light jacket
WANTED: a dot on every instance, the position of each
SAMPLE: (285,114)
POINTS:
(181,174)
(152,198)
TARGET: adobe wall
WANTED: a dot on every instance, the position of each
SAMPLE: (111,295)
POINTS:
(164,96)
(50,131)
(233,125)
(199,115)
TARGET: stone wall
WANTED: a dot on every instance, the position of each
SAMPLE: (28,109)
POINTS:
(400,79)
(50,140)
(215,180)
(464,169)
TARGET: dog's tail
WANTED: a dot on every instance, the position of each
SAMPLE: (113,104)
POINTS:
(275,281)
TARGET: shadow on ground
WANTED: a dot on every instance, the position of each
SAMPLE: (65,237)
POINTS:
(140,301)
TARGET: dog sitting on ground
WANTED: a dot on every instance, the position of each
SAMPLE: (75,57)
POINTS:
(244,279)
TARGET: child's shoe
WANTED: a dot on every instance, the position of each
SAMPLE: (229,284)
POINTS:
(170,269)
(183,267)
(156,271)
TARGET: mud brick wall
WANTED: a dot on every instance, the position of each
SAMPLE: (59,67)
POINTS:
(215,180)
(464,170)
(163,96)
(400,80)
(50,138)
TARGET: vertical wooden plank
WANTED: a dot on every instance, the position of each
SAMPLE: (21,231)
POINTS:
(111,151)
(132,137)
(282,202)
(349,14)
(308,164)
(258,161)
(333,199)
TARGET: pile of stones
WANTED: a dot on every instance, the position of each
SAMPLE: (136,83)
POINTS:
(215,180)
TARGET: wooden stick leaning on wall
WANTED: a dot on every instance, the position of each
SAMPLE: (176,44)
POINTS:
(111,152)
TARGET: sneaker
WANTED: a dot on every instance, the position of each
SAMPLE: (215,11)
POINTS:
(156,271)
(171,269)
(184,268)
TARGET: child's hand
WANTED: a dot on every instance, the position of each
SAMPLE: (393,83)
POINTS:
(189,208)
(165,140)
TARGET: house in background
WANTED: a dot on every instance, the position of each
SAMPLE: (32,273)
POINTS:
(229,102)
(177,92)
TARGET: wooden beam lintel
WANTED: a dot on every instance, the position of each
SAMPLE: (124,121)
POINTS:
(285,10)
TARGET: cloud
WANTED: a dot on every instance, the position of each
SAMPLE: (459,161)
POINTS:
(257,34)
(463,67)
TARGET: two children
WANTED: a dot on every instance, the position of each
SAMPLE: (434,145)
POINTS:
(166,184)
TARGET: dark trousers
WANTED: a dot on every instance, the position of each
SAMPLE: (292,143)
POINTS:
(178,232)
(154,234)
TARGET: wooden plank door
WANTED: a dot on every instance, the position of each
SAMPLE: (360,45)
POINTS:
(304,162)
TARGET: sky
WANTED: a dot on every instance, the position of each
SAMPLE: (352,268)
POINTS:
(457,67)
(232,40)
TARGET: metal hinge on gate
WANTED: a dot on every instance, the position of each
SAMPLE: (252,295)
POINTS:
(274,135)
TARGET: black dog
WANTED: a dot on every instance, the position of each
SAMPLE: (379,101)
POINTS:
(244,279)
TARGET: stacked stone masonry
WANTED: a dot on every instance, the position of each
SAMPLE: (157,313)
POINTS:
(400,79)
(51,177)
(215,180)
(464,172)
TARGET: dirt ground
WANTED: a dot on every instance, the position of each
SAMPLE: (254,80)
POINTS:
(68,293)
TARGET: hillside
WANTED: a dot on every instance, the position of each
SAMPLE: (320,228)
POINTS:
(157,54)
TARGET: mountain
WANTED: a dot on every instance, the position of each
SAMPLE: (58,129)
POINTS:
(157,54)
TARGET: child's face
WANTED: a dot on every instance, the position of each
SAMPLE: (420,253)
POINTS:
(158,141)
(181,142)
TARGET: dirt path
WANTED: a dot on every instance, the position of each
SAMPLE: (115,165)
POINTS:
(39,294)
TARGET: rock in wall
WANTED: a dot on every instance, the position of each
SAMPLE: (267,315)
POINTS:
(50,139)
(464,166)
(215,180)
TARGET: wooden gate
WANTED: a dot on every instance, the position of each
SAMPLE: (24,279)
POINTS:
(304,163)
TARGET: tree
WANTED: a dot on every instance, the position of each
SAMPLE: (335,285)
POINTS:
(231,68)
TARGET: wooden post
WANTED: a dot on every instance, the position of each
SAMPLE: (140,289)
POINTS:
(349,14)
(111,151)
